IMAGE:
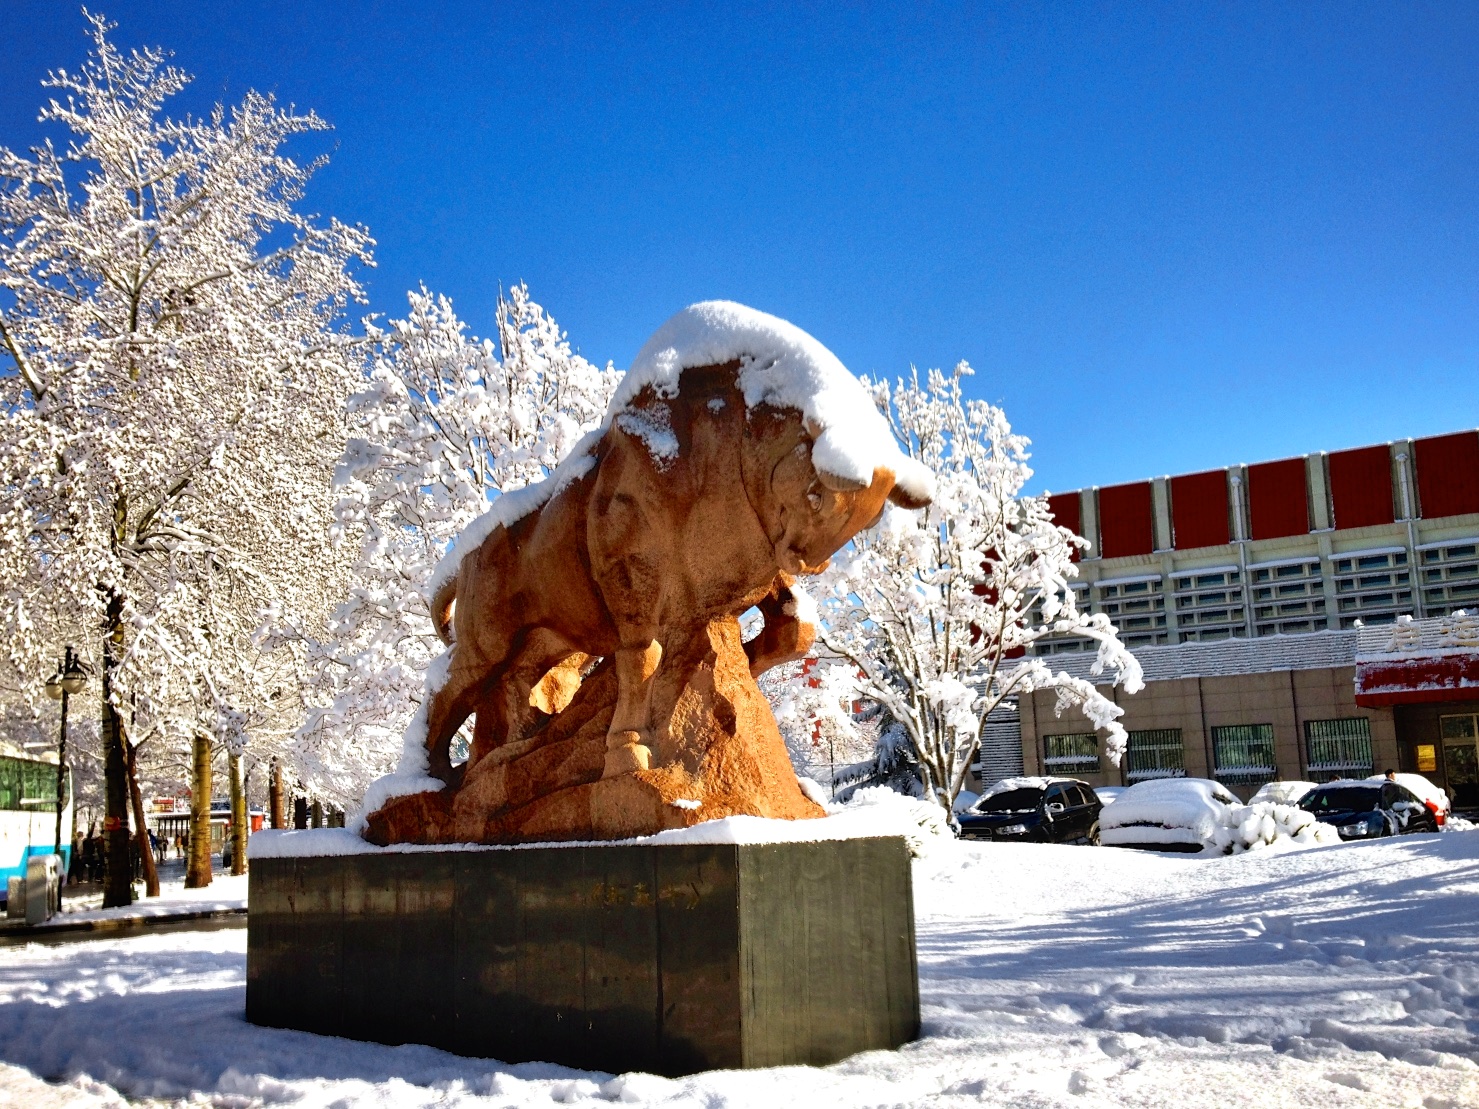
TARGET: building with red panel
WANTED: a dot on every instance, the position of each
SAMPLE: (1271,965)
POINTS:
(1273,607)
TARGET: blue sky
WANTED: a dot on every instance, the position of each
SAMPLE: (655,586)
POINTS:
(1168,238)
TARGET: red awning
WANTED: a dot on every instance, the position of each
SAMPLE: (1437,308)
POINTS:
(1417,679)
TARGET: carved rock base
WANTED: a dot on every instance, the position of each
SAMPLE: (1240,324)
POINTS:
(715,752)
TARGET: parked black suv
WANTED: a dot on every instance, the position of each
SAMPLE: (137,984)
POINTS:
(1040,810)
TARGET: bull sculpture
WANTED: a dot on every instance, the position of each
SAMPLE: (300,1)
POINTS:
(692,507)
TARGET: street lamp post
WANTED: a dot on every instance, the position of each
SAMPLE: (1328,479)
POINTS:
(69,679)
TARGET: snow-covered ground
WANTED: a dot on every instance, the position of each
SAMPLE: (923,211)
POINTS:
(1051,976)
(225,892)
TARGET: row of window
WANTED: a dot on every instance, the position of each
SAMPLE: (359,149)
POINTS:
(1242,754)
(1373,587)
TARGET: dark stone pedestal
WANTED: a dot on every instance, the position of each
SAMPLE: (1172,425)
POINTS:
(669,959)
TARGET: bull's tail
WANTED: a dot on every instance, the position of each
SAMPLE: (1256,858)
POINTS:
(441,609)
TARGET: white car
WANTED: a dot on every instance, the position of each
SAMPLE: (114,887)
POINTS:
(1167,814)
(1108,794)
(1282,793)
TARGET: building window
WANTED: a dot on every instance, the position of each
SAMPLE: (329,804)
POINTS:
(1071,754)
(1156,754)
(1244,753)
(1338,748)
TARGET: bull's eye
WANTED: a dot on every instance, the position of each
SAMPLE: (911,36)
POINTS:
(815,500)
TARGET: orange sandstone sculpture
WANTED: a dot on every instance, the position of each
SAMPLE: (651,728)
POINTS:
(593,621)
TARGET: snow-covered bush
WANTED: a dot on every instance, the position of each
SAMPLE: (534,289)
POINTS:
(922,823)
(1266,825)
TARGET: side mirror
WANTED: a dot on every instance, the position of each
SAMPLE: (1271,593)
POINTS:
(1055,809)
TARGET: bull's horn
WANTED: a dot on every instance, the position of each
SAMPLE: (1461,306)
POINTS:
(813,427)
(839,484)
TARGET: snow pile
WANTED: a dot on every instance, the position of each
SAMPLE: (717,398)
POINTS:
(1266,825)
(1456,823)
(782,366)
(1281,793)
(890,813)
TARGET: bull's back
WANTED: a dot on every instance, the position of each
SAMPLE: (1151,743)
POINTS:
(533,572)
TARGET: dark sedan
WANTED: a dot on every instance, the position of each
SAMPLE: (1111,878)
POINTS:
(1039,810)
(1366,810)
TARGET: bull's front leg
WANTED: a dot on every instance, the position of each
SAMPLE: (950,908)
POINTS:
(631,723)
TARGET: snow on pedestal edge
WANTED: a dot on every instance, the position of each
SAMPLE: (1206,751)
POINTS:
(326,842)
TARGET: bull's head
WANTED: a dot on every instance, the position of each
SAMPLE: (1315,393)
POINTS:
(817,512)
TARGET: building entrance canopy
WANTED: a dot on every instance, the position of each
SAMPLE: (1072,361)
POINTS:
(1418,661)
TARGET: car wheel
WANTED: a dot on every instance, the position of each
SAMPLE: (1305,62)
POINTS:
(1093,837)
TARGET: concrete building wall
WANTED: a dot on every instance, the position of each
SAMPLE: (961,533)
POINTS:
(1285,699)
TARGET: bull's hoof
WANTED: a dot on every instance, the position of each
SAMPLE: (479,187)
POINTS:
(625,755)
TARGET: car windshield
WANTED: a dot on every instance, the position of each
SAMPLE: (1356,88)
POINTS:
(1012,800)
(1342,798)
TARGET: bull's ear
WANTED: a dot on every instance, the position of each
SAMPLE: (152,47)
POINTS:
(906,499)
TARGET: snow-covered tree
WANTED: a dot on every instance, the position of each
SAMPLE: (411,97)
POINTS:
(445,423)
(930,614)
(174,402)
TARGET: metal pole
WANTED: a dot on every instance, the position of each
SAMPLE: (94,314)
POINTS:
(61,758)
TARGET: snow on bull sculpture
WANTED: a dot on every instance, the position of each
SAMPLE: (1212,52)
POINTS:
(592,620)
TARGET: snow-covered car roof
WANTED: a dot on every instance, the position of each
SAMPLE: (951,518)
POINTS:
(1166,810)
(1282,793)
(1416,783)
(1023,783)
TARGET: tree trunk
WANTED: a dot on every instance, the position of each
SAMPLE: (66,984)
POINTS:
(239,815)
(274,796)
(317,819)
(141,826)
(300,813)
(117,866)
(198,869)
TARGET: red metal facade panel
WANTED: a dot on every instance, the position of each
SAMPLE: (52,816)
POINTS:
(1065,508)
(1199,510)
(1361,487)
(1448,474)
(1277,502)
(1126,520)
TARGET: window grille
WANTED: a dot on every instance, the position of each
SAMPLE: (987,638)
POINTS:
(1244,753)
(1156,753)
(1338,748)
(1071,754)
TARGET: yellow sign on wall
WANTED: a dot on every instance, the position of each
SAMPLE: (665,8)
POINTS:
(1427,758)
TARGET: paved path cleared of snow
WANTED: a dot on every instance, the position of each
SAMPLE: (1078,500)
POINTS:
(1050,976)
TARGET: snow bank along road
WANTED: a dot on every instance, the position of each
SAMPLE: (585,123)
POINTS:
(1051,976)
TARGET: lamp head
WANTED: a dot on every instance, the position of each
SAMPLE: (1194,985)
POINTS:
(74,678)
(54,687)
